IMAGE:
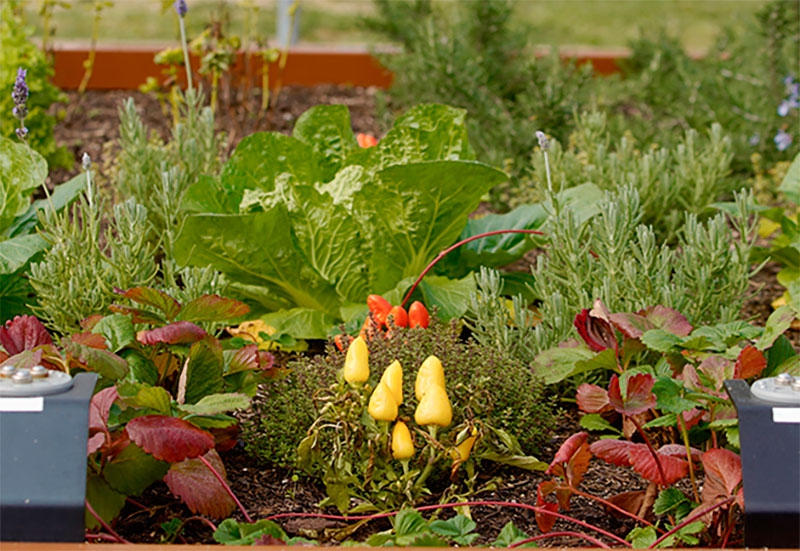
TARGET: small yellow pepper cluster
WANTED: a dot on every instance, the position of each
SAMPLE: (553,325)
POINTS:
(433,405)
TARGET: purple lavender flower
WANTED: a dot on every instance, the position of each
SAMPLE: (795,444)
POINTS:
(783,140)
(181,8)
(787,105)
(20,93)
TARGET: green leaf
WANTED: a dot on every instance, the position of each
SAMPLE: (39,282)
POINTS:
(153,398)
(668,420)
(780,351)
(778,322)
(642,537)
(132,470)
(556,364)
(595,421)
(327,130)
(217,403)
(510,535)
(232,532)
(105,363)
(203,370)
(301,323)
(142,368)
(15,253)
(668,501)
(279,280)
(409,522)
(16,293)
(525,462)
(451,297)
(669,394)
(660,340)
(105,500)
(21,171)
(791,182)
(117,330)
(61,196)
(416,211)
(459,529)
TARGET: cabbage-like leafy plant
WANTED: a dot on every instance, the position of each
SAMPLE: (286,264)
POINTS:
(308,225)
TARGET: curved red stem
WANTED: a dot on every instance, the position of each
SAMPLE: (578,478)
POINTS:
(227,489)
(452,248)
(103,523)
(587,537)
(692,518)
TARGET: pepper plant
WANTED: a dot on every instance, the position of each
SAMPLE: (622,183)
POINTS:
(377,446)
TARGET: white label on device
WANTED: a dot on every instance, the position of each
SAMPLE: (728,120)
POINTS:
(32,404)
(786,415)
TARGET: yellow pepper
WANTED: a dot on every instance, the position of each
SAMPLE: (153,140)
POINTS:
(402,445)
(460,453)
(356,363)
(434,408)
(430,373)
(393,377)
(381,405)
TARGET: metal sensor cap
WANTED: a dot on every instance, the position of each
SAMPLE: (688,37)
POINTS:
(783,389)
(7,371)
(22,377)
(39,372)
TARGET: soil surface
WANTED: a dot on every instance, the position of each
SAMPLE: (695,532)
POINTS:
(90,124)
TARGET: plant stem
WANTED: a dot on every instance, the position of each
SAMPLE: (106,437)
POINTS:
(451,248)
(185,46)
(454,505)
(691,518)
(685,436)
(610,505)
(227,489)
(650,447)
(103,523)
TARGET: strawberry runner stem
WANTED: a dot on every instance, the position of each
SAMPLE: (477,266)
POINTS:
(451,248)
(227,489)
(651,448)
(542,510)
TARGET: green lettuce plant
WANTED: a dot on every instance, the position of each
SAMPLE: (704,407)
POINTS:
(308,225)
(22,171)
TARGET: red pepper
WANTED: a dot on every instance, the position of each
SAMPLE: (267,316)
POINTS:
(380,308)
(418,315)
(399,316)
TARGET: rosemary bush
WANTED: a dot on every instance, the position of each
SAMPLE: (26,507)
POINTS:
(740,83)
(473,57)
(94,252)
(617,259)
(687,177)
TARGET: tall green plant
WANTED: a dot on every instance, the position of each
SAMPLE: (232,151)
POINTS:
(307,226)
(18,50)
(614,258)
(473,57)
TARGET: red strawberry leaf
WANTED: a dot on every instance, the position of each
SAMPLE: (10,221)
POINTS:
(595,332)
(155,298)
(169,438)
(138,315)
(100,406)
(243,359)
(23,333)
(750,363)
(613,451)
(644,463)
(592,398)
(572,460)
(631,325)
(723,470)
(193,482)
(212,308)
(543,520)
(180,332)
(639,395)
(679,450)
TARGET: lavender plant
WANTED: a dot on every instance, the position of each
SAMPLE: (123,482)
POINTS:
(617,259)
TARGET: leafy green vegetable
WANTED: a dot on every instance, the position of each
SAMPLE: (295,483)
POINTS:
(305,227)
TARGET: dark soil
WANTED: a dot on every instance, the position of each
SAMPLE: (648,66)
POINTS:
(91,125)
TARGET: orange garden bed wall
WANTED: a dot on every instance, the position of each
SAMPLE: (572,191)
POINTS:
(126,68)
